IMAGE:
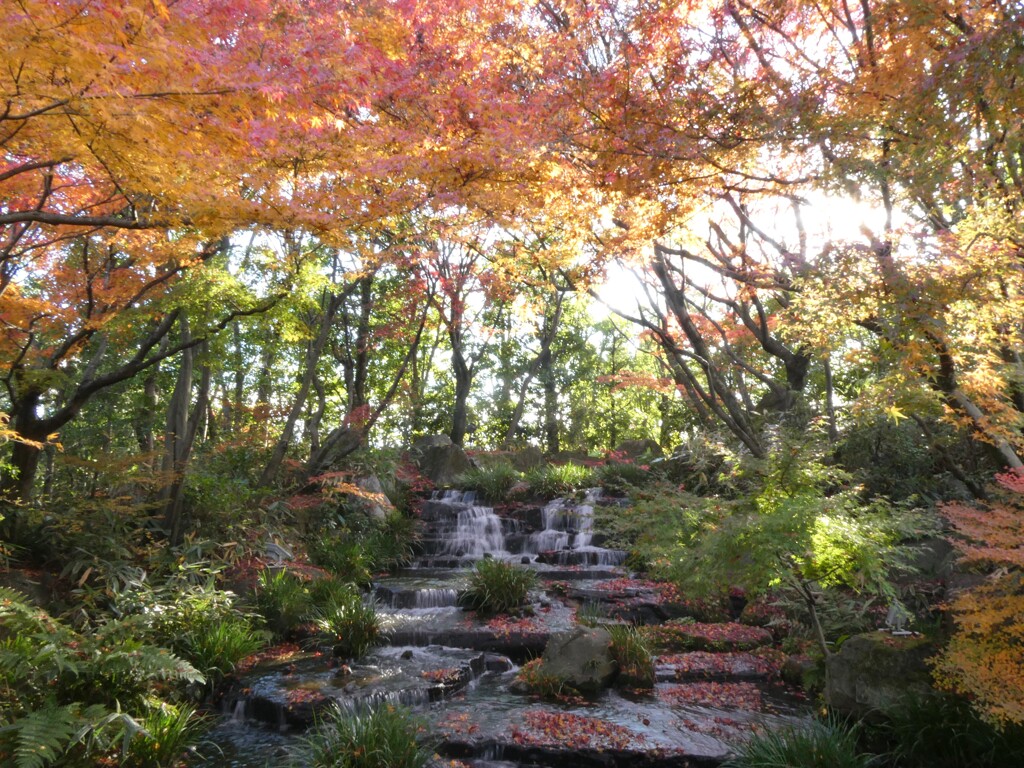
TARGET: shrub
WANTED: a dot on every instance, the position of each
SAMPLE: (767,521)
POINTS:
(67,696)
(941,731)
(343,555)
(619,477)
(632,653)
(553,480)
(498,587)
(491,483)
(196,620)
(354,624)
(381,738)
(391,541)
(819,744)
(283,600)
(166,735)
(544,684)
(215,646)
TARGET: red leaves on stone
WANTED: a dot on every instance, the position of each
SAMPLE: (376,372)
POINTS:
(681,636)
(710,694)
(545,728)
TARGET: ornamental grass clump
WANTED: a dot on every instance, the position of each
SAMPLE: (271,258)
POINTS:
(553,480)
(818,744)
(632,653)
(491,483)
(381,738)
(498,587)
(352,623)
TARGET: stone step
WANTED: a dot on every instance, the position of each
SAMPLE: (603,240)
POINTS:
(705,665)
(681,636)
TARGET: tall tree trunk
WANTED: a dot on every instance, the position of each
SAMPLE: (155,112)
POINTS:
(180,434)
(549,330)
(311,359)
(547,375)
(460,408)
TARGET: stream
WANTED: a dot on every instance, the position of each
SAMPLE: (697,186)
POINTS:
(456,670)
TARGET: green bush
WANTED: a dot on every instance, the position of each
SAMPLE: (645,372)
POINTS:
(352,623)
(68,697)
(554,480)
(354,546)
(618,477)
(167,734)
(632,653)
(492,483)
(343,555)
(195,619)
(544,684)
(817,745)
(215,646)
(283,600)
(497,587)
(382,738)
(940,731)
(391,541)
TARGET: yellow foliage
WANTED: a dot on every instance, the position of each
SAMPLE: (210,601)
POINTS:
(983,660)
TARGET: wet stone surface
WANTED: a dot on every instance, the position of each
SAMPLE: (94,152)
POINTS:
(717,682)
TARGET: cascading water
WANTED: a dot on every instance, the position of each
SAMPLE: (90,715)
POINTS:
(456,666)
(459,531)
(568,535)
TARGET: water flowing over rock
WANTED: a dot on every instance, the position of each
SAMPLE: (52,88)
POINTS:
(458,669)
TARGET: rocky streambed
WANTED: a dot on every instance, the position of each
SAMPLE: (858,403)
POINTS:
(458,670)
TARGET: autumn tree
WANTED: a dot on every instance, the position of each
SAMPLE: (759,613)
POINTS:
(982,659)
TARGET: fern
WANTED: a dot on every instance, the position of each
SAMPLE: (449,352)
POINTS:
(42,736)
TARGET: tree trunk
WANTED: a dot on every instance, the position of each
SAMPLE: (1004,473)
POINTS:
(180,434)
(312,358)
(460,408)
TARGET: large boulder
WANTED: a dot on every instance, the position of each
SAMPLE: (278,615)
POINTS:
(439,459)
(376,502)
(873,672)
(582,658)
(527,458)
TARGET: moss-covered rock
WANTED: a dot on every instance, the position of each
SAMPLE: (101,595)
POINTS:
(873,671)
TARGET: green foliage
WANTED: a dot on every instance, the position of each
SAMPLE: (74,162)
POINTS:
(632,653)
(536,681)
(391,541)
(165,735)
(198,621)
(554,480)
(353,623)
(64,693)
(216,646)
(492,483)
(343,555)
(621,477)
(940,731)
(803,528)
(828,744)
(354,545)
(498,587)
(651,528)
(284,601)
(382,738)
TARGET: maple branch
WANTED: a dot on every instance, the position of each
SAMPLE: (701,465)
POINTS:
(26,167)
(59,219)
